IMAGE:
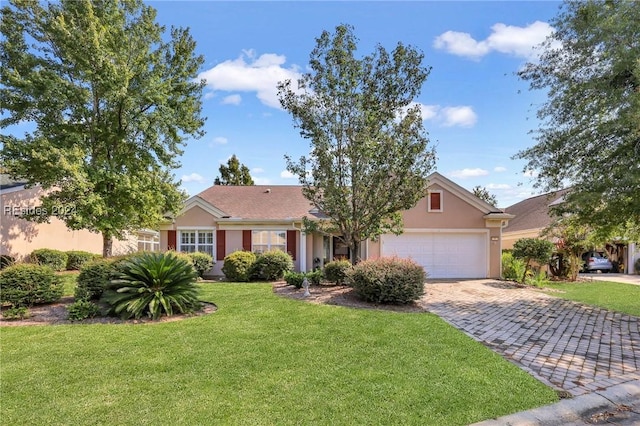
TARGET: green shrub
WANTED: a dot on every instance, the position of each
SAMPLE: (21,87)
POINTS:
(15,313)
(237,266)
(294,278)
(6,261)
(539,279)
(152,284)
(55,259)
(77,259)
(82,309)
(315,277)
(95,276)
(271,265)
(532,250)
(336,271)
(388,280)
(202,262)
(512,268)
(28,284)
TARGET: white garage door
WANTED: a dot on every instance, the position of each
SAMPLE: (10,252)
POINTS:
(443,255)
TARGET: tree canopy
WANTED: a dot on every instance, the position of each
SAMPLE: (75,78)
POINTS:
(485,195)
(234,173)
(589,136)
(112,102)
(369,156)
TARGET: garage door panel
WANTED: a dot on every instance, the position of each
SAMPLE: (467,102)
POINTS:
(443,255)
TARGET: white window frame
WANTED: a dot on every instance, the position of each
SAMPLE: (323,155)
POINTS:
(149,240)
(269,243)
(197,230)
(441,209)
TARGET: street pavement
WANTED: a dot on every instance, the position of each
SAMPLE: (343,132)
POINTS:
(581,351)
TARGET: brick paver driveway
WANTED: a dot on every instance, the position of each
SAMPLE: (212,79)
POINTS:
(568,345)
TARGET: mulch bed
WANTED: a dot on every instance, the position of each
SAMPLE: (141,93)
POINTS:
(340,296)
(56,314)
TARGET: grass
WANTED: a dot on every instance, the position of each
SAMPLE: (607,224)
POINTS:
(613,296)
(260,359)
(69,281)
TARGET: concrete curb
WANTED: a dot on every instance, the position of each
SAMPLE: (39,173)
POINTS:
(578,410)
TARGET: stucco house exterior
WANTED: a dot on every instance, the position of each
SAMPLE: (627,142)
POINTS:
(19,237)
(450,232)
(533,215)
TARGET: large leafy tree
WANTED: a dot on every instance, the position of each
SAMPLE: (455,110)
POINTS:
(234,173)
(112,102)
(369,156)
(589,137)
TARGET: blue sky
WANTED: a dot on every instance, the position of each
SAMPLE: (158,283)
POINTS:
(477,112)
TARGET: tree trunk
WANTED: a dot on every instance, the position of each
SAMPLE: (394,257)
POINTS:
(107,244)
(355,252)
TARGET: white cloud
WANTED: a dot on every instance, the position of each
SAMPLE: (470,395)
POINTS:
(498,186)
(261,181)
(251,74)
(220,140)
(530,173)
(232,100)
(499,169)
(461,44)
(193,177)
(462,116)
(467,173)
(257,170)
(508,39)
(286,174)
(209,95)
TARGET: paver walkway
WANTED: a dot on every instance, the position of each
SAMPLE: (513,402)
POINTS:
(567,345)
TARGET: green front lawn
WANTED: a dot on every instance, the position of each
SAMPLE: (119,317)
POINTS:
(260,359)
(614,296)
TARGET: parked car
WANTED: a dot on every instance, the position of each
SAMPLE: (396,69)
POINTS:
(594,261)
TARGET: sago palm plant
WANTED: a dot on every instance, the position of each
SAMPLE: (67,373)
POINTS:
(151,284)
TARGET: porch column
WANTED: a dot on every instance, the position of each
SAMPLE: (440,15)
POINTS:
(303,252)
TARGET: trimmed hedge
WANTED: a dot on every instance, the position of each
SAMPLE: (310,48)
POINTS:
(55,259)
(294,278)
(237,266)
(202,262)
(28,284)
(336,271)
(94,278)
(271,265)
(76,259)
(388,280)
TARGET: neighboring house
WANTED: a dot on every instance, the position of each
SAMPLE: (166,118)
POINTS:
(533,215)
(19,237)
(450,232)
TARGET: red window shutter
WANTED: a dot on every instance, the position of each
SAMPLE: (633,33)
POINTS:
(171,240)
(221,243)
(292,247)
(434,198)
(246,240)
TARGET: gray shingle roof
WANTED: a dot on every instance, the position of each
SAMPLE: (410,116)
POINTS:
(533,213)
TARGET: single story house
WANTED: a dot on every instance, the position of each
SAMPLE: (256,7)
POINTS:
(19,237)
(533,215)
(450,232)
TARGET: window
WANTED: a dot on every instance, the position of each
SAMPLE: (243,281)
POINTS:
(148,242)
(196,240)
(434,201)
(262,241)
